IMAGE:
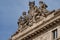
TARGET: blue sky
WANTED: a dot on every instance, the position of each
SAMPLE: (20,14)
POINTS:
(10,10)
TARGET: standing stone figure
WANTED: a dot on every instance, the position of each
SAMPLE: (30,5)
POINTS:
(26,18)
(20,23)
(31,11)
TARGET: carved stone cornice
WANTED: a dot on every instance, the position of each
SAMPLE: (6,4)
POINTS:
(45,22)
(41,28)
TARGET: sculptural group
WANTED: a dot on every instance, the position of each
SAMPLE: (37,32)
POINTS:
(34,15)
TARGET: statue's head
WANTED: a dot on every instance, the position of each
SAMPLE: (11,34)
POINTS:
(32,3)
(41,2)
(24,13)
(20,17)
(19,20)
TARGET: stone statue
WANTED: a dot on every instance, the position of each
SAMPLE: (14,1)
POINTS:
(20,23)
(37,13)
(23,21)
(26,18)
(42,8)
(34,15)
(32,10)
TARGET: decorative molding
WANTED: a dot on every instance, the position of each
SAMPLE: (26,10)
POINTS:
(37,22)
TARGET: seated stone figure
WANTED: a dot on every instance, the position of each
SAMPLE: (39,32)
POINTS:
(30,20)
(43,9)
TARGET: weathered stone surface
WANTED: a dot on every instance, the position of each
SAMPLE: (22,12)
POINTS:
(38,24)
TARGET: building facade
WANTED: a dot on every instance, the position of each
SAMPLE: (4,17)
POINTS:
(38,24)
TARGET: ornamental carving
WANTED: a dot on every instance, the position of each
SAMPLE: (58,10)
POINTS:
(33,15)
